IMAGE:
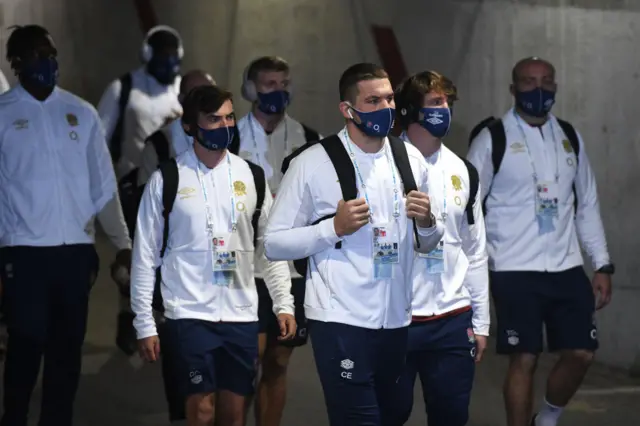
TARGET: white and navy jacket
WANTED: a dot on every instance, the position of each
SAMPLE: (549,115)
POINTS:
(187,286)
(513,239)
(56,174)
(151,106)
(340,282)
(465,281)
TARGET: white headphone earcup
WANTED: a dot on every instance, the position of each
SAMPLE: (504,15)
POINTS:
(146,52)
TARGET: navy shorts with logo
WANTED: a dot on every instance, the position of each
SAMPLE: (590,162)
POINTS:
(268,320)
(359,369)
(209,357)
(525,301)
(442,352)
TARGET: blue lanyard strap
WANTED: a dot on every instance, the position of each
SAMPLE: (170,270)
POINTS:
(555,146)
(396,196)
(444,184)
(208,210)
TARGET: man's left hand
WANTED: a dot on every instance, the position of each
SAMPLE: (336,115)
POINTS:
(288,326)
(419,208)
(602,289)
(481,345)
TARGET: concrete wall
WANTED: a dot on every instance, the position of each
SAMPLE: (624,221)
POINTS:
(475,42)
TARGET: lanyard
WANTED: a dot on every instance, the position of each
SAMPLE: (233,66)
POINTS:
(234,223)
(396,201)
(252,122)
(555,146)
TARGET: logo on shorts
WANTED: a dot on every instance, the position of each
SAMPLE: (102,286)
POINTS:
(196,377)
(346,365)
(512,337)
(473,352)
(594,334)
(471,335)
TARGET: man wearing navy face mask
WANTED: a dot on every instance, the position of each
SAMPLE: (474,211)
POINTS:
(132,108)
(56,178)
(267,136)
(213,232)
(341,204)
(540,197)
(450,305)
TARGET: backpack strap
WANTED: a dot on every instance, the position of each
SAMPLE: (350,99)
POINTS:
(474,184)
(287,161)
(118,131)
(310,135)
(572,135)
(401,158)
(478,128)
(344,169)
(170,178)
(498,143)
(260,182)
(160,145)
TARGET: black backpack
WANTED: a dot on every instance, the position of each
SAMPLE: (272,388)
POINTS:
(499,144)
(347,176)
(170,178)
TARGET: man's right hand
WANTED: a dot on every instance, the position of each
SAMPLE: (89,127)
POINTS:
(351,216)
(149,348)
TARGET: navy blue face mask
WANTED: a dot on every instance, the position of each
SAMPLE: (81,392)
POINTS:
(41,72)
(536,102)
(375,124)
(215,139)
(435,120)
(165,69)
(275,102)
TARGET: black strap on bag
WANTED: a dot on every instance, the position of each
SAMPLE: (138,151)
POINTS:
(474,184)
(260,182)
(115,144)
(160,145)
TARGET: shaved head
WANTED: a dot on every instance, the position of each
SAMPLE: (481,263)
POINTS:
(525,64)
(193,79)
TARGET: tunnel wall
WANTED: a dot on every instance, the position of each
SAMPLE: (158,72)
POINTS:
(592,43)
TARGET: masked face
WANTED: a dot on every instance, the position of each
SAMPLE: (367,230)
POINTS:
(536,103)
(42,72)
(164,68)
(215,139)
(435,120)
(275,102)
(374,123)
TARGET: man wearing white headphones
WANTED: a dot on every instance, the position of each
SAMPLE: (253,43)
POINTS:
(132,108)
(267,136)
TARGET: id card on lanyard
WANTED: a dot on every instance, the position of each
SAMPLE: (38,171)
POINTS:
(435,258)
(386,241)
(221,244)
(545,192)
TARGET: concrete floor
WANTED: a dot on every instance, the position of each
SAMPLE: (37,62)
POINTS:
(116,390)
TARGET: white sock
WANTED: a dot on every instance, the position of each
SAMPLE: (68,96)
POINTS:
(548,415)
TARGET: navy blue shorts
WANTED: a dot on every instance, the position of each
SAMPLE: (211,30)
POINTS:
(209,357)
(442,352)
(563,302)
(269,321)
(359,369)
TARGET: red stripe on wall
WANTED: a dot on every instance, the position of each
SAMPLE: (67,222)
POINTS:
(391,57)
(147,17)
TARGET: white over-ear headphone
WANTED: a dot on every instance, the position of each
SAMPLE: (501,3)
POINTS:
(248,89)
(146,53)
